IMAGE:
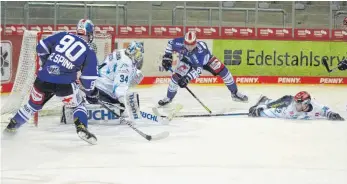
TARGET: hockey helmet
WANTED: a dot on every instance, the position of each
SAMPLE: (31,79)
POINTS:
(135,51)
(302,100)
(85,27)
(190,41)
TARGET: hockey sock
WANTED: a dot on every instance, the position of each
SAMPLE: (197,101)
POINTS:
(80,112)
(25,113)
(172,89)
(228,80)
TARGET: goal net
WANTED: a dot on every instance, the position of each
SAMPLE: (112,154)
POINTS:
(28,65)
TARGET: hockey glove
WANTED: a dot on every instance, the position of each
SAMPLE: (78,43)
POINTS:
(93,97)
(342,65)
(255,111)
(183,81)
(335,117)
(167,61)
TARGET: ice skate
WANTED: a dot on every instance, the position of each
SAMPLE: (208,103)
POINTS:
(164,101)
(83,133)
(238,97)
(11,128)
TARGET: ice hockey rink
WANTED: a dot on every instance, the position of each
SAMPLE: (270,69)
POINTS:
(219,150)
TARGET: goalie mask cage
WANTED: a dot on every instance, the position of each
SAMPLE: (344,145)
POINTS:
(28,65)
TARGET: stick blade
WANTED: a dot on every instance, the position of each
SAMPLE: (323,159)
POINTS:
(159,136)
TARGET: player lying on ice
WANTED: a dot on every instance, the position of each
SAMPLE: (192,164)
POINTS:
(62,56)
(300,106)
(119,71)
(194,57)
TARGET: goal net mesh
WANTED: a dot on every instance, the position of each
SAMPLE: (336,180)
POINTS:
(26,73)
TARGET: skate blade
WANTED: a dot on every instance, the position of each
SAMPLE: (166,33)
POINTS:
(83,136)
(238,100)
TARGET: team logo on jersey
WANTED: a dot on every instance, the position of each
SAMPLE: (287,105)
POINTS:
(53,70)
(6,60)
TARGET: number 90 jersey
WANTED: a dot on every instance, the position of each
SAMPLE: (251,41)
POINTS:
(62,56)
(115,74)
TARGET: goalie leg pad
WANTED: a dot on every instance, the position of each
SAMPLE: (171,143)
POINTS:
(132,105)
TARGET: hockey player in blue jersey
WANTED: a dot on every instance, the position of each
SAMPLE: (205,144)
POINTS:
(62,56)
(194,57)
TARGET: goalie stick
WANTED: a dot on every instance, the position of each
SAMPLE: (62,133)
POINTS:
(159,136)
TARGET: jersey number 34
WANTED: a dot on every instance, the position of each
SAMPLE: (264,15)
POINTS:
(73,49)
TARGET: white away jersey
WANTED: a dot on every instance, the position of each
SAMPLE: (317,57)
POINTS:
(318,111)
(115,74)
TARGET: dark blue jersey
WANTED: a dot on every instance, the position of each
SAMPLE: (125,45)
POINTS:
(63,55)
(197,58)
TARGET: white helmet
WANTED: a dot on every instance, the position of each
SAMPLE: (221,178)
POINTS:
(85,27)
(135,51)
(190,41)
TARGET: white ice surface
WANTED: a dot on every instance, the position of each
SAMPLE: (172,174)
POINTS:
(218,150)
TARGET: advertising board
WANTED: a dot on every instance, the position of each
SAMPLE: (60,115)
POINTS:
(280,58)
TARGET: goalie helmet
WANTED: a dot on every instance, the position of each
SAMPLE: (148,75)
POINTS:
(190,41)
(85,27)
(135,51)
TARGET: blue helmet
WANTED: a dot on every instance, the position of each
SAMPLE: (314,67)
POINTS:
(86,27)
(135,51)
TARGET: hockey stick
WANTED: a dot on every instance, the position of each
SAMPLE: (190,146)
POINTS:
(206,115)
(325,63)
(159,136)
(203,105)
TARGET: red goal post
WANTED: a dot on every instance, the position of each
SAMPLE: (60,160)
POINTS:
(28,65)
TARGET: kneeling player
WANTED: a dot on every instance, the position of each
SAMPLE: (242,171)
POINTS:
(299,106)
(118,71)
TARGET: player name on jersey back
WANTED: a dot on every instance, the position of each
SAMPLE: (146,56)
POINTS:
(59,59)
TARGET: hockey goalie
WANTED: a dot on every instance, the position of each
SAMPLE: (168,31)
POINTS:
(300,106)
(119,71)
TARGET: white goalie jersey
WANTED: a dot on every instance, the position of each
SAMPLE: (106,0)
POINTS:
(116,74)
